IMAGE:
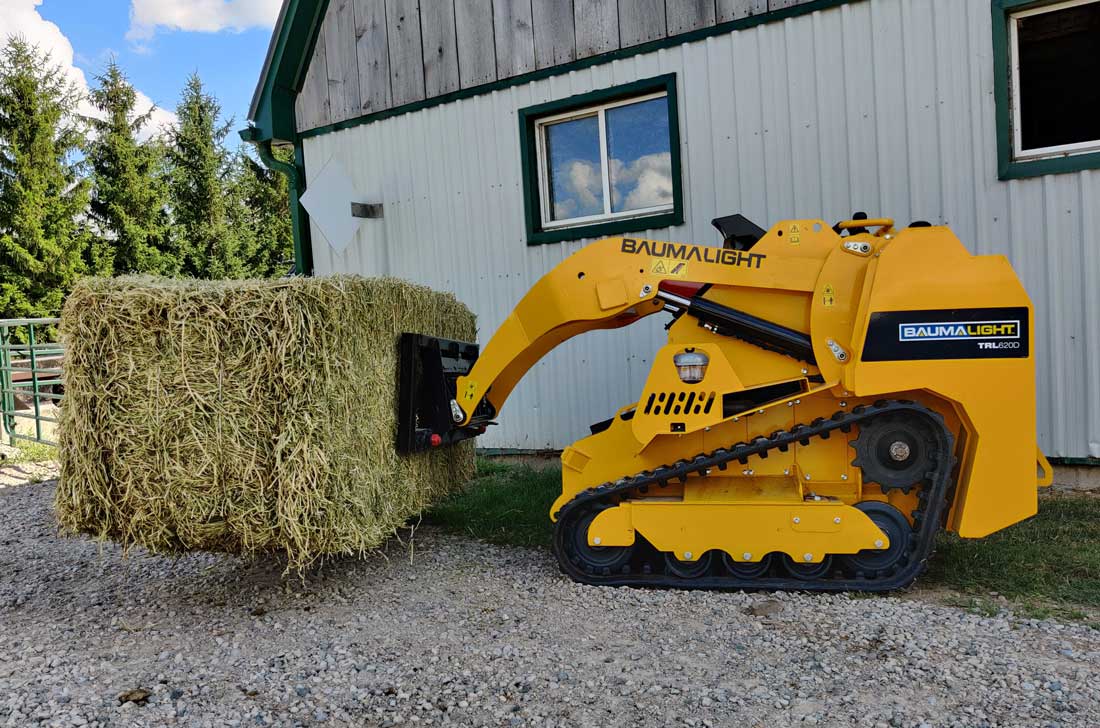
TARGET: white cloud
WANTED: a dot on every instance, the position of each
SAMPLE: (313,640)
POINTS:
(646,182)
(205,16)
(582,192)
(565,210)
(586,183)
(21,18)
(161,118)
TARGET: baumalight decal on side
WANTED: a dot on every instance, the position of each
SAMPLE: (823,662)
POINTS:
(964,333)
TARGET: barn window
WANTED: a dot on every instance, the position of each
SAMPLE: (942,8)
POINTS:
(1048,97)
(605,161)
(602,163)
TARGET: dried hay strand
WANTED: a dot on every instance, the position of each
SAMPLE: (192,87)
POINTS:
(246,416)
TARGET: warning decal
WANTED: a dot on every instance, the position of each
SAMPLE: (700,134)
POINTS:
(828,296)
(669,267)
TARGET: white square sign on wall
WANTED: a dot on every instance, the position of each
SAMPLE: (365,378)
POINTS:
(328,201)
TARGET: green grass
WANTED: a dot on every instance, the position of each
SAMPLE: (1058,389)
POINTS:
(1054,556)
(505,504)
(1046,566)
(1029,607)
(31,452)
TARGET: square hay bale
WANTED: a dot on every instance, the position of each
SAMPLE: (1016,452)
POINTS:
(246,416)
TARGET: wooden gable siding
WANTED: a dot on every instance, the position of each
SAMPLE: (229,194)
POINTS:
(374,55)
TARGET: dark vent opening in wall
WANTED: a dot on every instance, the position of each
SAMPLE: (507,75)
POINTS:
(735,402)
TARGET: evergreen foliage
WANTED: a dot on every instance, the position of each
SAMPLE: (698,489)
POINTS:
(261,216)
(199,180)
(87,187)
(129,203)
(43,195)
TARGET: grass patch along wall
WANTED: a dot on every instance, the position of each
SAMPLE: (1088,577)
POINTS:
(246,416)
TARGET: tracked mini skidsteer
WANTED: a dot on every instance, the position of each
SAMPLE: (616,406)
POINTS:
(828,399)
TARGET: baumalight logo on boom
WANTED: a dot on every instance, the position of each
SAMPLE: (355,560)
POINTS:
(701,253)
(959,330)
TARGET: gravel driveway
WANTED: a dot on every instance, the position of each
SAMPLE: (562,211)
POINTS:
(455,632)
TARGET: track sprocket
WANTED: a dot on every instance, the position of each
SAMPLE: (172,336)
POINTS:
(895,451)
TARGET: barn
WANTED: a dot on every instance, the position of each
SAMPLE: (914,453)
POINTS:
(471,145)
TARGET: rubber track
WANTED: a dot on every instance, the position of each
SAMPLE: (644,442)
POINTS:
(928,517)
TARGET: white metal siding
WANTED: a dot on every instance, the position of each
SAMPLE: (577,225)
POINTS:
(884,106)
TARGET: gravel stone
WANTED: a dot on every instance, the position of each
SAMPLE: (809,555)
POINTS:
(445,631)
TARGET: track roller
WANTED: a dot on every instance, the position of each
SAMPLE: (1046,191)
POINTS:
(806,571)
(747,569)
(689,569)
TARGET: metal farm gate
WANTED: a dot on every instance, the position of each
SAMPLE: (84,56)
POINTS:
(30,379)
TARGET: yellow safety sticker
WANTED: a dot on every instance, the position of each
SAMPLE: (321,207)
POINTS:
(669,267)
(828,296)
(471,390)
(795,234)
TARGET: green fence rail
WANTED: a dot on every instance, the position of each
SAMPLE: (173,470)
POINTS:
(30,379)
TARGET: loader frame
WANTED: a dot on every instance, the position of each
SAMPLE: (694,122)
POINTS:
(807,330)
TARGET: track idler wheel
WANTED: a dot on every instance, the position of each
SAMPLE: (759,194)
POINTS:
(880,562)
(807,571)
(601,560)
(895,451)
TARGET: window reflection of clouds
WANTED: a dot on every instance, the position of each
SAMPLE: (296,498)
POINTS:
(576,177)
(639,160)
(639,155)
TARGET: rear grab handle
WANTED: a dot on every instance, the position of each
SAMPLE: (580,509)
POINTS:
(1045,471)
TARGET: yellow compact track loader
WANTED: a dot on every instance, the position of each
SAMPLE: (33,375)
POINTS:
(828,399)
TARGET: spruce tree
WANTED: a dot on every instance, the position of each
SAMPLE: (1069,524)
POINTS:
(42,195)
(199,169)
(262,217)
(129,195)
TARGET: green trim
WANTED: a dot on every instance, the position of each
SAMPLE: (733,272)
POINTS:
(1007,168)
(496,452)
(629,52)
(303,238)
(299,219)
(514,451)
(288,57)
(1075,462)
(529,162)
(272,114)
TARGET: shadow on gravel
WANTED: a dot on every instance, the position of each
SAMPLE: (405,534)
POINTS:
(60,575)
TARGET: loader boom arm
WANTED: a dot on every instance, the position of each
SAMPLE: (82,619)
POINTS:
(608,284)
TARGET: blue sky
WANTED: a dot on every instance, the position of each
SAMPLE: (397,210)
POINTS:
(158,43)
